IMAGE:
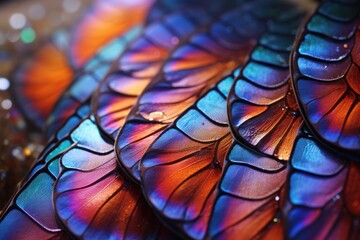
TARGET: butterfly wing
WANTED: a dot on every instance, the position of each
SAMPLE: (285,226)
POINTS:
(180,170)
(262,110)
(92,199)
(322,194)
(192,68)
(41,79)
(31,209)
(88,80)
(139,64)
(325,69)
(104,21)
(248,196)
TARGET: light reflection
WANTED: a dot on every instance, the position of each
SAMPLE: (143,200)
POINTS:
(17,20)
(6,104)
(27,35)
(4,84)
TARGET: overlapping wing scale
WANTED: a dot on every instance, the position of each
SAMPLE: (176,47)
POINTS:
(326,67)
(193,67)
(92,199)
(247,204)
(262,109)
(103,22)
(41,79)
(180,170)
(31,209)
(87,80)
(322,198)
(139,64)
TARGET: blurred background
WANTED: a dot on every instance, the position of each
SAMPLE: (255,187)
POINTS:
(24,25)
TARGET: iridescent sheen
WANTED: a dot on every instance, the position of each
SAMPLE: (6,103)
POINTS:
(325,68)
(193,67)
(322,198)
(92,199)
(181,168)
(103,22)
(39,82)
(247,204)
(32,206)
(41,79)
(262,109)
(139,64)
(87,80)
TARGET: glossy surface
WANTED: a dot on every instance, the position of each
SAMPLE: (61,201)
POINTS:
(322,198)
(180,170)
(139,64)
(262,109)
(93,200)
(248,197)
(104,21)
(87,80)
(325,68)
(185,179)
(203,60)
(41,79)
(32,206)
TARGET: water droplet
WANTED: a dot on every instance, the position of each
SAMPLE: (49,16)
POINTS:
(154,116)
(17,20)
(336,197)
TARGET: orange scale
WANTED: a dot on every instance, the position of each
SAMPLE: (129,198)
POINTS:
(148,72)
(105,21)
(353,78)
(200,76)
(352,190)
(196,190)
(335,119)
(270,143)
(285,146)
(355,53)
(351,126)
(127,84)
(261,124)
